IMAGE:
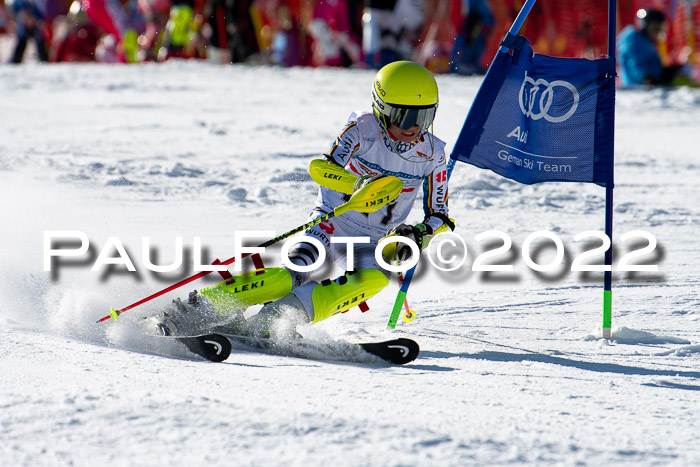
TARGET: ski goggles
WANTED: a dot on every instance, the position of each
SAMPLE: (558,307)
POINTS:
(406,117)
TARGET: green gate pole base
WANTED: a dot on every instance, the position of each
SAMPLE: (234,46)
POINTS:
(607,314)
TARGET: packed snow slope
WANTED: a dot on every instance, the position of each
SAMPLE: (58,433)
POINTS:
(512,369)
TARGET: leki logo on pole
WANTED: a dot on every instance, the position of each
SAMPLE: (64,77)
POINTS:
(537,108)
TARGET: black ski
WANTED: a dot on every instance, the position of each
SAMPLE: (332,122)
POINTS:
(213,347)
(398,351)
(217,347)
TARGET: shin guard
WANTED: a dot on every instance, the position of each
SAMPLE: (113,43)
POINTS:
(250,288)
(331,297)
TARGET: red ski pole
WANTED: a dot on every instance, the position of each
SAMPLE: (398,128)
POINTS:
(115,313)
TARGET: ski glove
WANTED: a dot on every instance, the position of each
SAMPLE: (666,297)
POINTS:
(365,180)
(421,234)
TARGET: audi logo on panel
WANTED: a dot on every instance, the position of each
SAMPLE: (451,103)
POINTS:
(538,107)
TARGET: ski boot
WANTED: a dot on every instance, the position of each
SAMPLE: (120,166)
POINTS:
(223,304)
(185,318)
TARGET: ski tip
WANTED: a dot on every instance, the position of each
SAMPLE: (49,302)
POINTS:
(398,351)
(213,347)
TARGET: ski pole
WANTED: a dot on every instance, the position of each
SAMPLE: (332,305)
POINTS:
(369,198)
(408,314)
(403,291)
(400,297)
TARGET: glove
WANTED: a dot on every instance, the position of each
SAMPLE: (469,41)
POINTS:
(364,180)
(421,234)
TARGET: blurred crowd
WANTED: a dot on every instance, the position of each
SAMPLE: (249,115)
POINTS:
(459,36)
(445,35)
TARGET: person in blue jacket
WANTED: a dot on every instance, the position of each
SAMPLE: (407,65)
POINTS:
(29,17)
(640,62)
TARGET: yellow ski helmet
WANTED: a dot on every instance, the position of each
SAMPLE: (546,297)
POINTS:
(404,94)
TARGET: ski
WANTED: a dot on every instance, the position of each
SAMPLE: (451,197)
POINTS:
(217,347)
(214,343)
(397,351)
(213,347)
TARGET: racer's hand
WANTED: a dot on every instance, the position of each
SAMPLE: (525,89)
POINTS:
(364,180)
(420,234)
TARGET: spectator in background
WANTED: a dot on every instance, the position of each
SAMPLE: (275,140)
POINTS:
(119,44)
(640,62)
(376,23)
(408,20)
(286,45)
(334,43)
(29,17)
(154,15)
(438,38)
(471,39)
(75,37)
(356,9)
(182,36)
(243,41)
(391,29)
(230,31)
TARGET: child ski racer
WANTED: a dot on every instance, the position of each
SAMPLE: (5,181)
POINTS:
(394,140)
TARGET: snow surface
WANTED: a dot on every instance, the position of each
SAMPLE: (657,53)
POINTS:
(512,369)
